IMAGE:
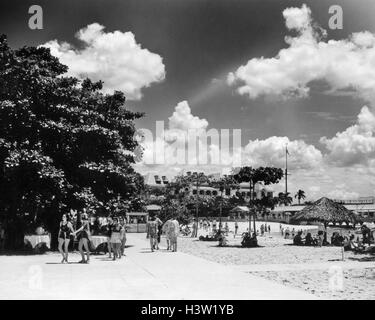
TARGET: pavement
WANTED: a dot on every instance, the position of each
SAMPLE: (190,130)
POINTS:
(140,275)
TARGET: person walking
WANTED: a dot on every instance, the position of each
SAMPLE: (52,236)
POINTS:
(160,230)
(166,228)
(108,231)
(83,236)
(195,229)
(262,229)
(287,233)
(123,235)
(116,239)
(226,228)
(152,232)
(65,229)
(174,231)
(235,228)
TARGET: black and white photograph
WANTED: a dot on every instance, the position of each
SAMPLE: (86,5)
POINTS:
(187,150)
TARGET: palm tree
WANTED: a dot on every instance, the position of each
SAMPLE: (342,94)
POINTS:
(285,198)
(300,195)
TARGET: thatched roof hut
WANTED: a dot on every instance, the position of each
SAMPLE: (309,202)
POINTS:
(325,210)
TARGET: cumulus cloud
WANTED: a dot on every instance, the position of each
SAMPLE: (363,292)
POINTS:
(212,147)
(271,152)
(183,119)
(171,147)
(309,57)
(355,145)
(114,57)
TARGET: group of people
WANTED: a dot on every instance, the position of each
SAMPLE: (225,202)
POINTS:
(114,229)
(155,227)
(308,240)
(264,228)
(209,225)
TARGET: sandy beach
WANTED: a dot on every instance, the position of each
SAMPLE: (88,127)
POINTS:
(320,271)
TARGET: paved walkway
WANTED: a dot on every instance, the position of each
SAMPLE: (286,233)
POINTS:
(304,266)
(139,275)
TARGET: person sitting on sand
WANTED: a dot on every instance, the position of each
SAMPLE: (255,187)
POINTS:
(366,234)
(309,241)
(222,239)
(337,239)
(297,240)
(353,245)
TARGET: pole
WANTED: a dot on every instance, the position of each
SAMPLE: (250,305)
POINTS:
(254,211)
(286,170)
(221,209)
(251,195)
(196,209)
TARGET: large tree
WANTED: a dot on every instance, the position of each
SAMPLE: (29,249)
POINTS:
(223,183)
(63,143)
(267,175)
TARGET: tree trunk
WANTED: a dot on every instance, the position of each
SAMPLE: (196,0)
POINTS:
(254,226)
(325,232)
(196,211)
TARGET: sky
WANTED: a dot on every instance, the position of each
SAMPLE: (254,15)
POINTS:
(270,68)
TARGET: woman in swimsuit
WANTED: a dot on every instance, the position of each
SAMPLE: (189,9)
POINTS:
(65,230)
(84,238)
(116,239)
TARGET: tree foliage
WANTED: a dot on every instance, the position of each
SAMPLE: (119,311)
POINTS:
(63,143)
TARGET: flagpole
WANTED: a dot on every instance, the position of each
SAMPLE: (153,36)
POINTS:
(286,169)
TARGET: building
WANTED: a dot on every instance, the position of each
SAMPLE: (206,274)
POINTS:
(260,190)
(157,181)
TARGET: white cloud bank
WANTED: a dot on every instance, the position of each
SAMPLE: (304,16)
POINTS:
(347,64)
(271,152)
(267,152)
(355,145)
(114,57)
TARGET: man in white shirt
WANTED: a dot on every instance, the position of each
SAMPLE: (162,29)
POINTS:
(174,228)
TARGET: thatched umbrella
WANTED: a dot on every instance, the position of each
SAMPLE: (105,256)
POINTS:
(325,210)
